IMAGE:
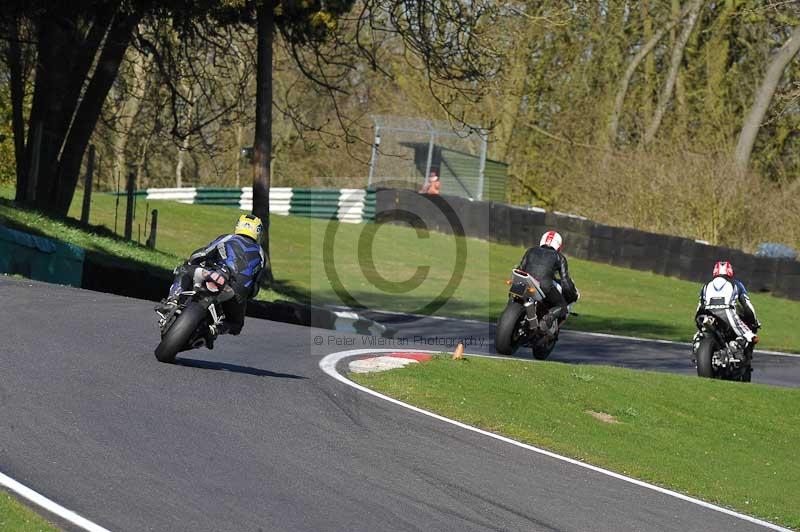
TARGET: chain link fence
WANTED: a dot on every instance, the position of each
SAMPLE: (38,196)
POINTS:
(407,151)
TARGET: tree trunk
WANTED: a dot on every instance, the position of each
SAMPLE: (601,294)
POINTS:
(141,181)
(129,112)
(613,122)
(672,75)
(51,61)
(17,89)
(262,144)
(88,111)
(181,161)
(66,51)
(184,145)
(66,99)
(238,153)
(650,78)
(84,57)
(763,97)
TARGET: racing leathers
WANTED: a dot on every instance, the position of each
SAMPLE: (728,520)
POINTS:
(240,260)
(726,298)
(550,268)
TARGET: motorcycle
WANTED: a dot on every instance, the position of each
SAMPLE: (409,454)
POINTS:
(187,326)
(519,324)
(717,353)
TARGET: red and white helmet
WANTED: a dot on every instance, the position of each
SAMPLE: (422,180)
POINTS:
(552,239)
(723,268)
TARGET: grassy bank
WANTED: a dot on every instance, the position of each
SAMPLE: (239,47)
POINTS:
(724,442)
(387,275)
(16,517)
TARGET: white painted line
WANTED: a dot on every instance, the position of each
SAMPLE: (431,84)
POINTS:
(671,342)
(52,507)
(777,353)
(328,365)
(410,315)
(570,331)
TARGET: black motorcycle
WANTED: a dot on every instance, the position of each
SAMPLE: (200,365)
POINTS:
(187,325)
(717,353)
(519,324)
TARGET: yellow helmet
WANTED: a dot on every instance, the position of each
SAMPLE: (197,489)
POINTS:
(249,225)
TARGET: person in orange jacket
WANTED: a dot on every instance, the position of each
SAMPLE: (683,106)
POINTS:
(433,185)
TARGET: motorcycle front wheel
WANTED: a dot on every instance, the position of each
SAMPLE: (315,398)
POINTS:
(507,337)
(176,338)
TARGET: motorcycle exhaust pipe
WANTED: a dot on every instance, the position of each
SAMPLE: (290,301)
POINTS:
(530,315)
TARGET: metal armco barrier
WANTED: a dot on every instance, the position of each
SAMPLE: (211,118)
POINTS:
(673,256)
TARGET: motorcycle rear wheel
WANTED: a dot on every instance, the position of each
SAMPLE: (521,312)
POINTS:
(178,335)
(542,347)
(507,338)
(704,355)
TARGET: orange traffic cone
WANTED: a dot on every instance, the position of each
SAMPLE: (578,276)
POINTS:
(458,354)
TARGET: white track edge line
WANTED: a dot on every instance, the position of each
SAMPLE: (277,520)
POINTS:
(571,331)
(328,365)
(671,342)
(49,505)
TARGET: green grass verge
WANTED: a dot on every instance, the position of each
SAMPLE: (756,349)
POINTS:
(728,443)
(615,300)
(174,245)
(16,517)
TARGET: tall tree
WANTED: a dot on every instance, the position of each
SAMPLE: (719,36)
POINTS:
(17,74)
(672,74)
(262,143)
(79,47)
(128,110)
(763,97)
(329,42)
(624,82)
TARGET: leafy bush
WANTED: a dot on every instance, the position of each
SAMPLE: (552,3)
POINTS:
(673,190)
(7,162)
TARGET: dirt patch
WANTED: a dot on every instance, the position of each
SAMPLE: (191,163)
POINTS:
(602,416)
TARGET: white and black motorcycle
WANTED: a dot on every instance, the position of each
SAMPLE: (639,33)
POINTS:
(520,323)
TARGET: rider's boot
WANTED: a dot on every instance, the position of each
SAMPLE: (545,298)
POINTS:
(214,331)
(170,303)
(695,342)
(166,306)
(549,323)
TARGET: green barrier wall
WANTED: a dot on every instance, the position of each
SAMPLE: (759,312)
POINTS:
(40,258)
(315,203)
(310,202)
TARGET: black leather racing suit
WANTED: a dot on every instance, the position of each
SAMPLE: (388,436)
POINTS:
(549,266)
(240,260)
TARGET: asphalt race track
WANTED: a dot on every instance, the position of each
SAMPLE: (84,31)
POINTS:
(253,436)
(586,348)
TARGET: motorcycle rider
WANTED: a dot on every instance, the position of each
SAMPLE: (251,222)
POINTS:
(235,262)
(548,265)
(726,298)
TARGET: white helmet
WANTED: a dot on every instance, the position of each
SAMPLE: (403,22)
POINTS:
(552,239)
